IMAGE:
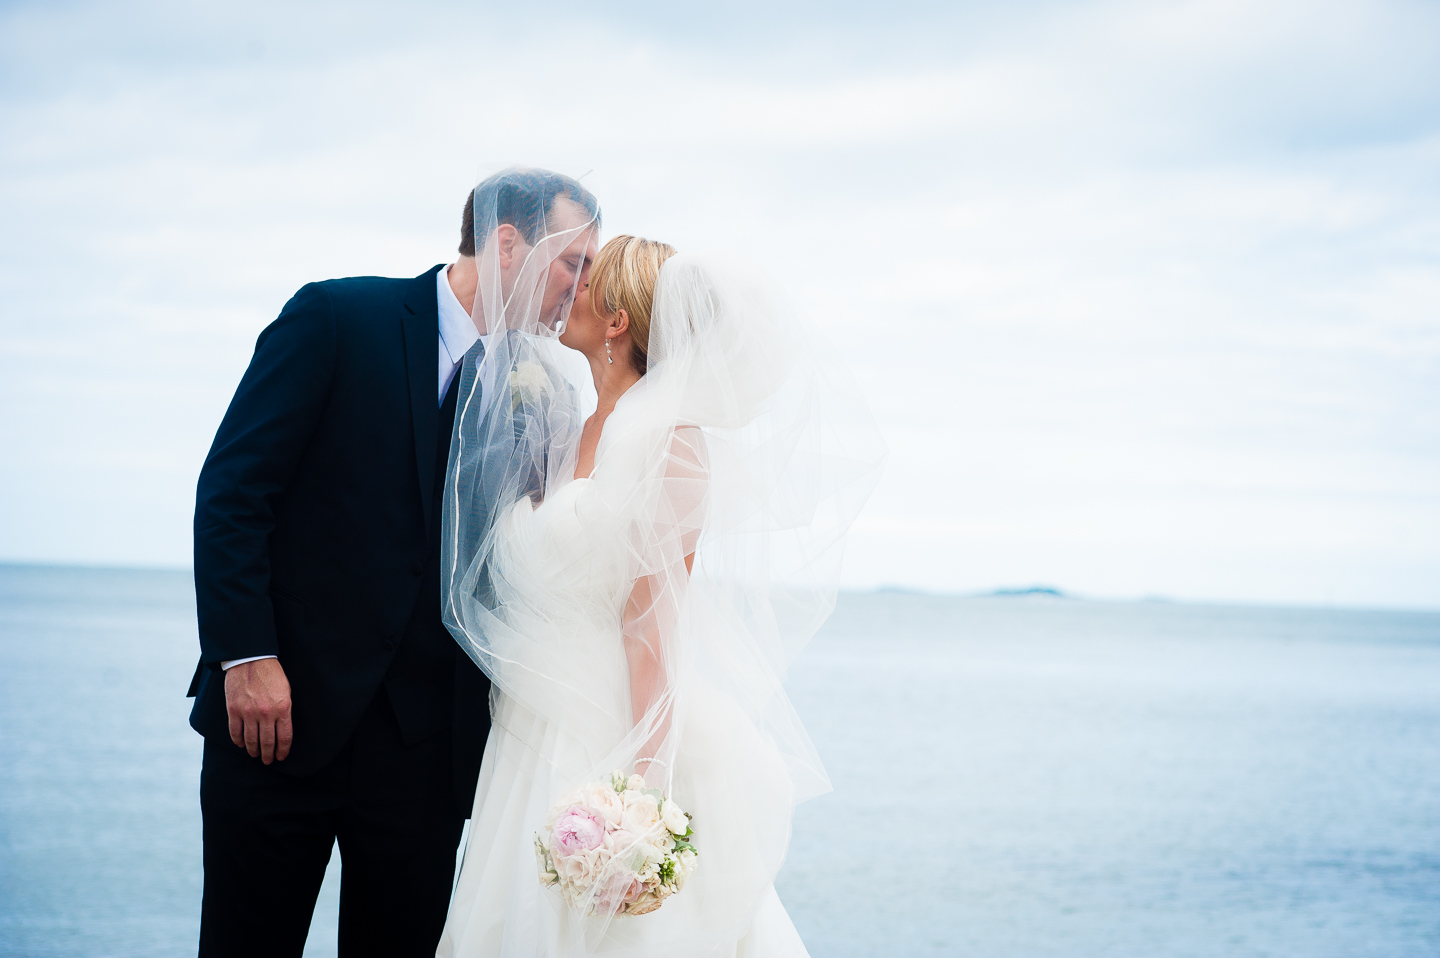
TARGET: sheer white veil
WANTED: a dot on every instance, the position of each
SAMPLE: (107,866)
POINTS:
(747,446)
(517,421)
(761,453)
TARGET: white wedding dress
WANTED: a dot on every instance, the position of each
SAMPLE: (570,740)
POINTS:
(745,446)
(500,907)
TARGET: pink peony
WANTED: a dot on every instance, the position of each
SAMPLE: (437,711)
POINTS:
(578,829)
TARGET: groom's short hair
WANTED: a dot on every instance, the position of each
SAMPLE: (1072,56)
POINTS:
(524,198)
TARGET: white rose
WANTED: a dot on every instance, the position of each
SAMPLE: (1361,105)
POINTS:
(636,783)
(642,812)
(602,798)
(673,817)
(574,870)
(619,841)
(581,872)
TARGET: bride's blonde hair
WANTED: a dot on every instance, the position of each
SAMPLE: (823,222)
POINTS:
(623,277)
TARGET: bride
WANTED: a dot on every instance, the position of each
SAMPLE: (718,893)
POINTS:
(635,584)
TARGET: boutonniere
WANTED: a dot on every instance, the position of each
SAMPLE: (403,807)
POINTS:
(528,384)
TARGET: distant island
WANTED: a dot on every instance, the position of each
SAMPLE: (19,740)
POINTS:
(1040,590)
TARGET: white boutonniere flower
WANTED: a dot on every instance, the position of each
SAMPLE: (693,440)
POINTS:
(528,383)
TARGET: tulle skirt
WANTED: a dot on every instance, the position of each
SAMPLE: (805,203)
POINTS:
(733,783)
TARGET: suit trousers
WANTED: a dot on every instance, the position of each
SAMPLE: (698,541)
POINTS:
(268,837)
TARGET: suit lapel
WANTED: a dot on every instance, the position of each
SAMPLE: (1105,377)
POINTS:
(422,340)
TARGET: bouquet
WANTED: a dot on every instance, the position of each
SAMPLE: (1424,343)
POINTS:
(616,847)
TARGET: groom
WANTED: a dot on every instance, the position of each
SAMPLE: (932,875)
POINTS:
(335,705)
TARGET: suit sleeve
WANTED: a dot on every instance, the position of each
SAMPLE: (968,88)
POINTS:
(263,436)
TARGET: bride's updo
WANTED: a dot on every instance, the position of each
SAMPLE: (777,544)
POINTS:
(623,277)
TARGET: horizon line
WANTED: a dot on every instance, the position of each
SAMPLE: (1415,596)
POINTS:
(1043,592)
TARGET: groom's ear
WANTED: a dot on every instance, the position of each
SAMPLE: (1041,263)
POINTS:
(507,241)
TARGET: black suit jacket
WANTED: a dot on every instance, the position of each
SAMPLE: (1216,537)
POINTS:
(317,522)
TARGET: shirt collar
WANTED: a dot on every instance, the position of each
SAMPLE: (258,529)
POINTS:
(457,331)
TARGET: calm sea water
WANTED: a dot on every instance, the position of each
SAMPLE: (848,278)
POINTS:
(1013,777)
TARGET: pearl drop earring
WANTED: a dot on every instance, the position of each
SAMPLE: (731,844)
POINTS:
(608,358)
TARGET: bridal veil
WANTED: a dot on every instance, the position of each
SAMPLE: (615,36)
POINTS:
(746,451)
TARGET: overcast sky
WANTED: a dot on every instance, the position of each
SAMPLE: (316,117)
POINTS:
(1146,295)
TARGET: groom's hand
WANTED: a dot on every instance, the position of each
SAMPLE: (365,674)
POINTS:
(257,696)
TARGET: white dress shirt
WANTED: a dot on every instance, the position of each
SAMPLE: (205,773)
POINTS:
(457,335)
(457,331)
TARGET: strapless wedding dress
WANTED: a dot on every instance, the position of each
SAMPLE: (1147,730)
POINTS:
(729,908)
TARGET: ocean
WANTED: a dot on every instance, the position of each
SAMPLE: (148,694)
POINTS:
(1014,776)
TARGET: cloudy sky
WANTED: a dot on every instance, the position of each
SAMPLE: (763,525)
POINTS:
(1147,295)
